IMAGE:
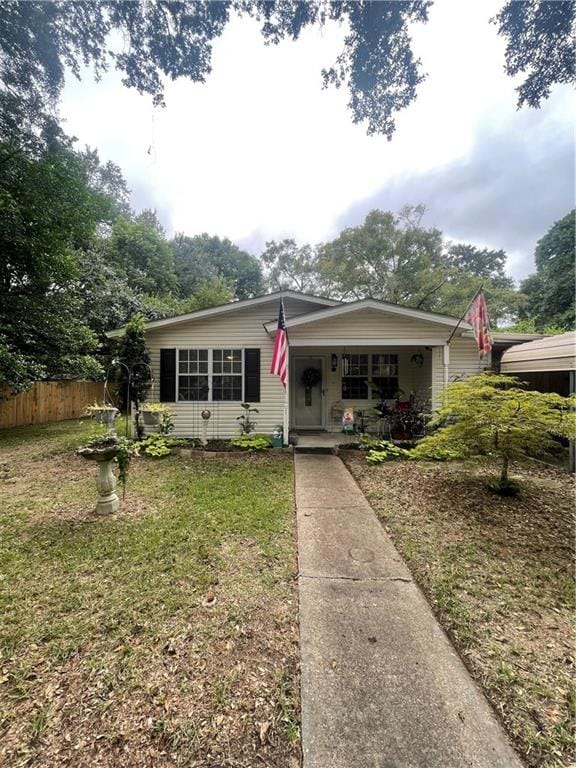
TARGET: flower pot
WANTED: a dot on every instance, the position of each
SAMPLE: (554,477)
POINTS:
(151,418)
(105,416)
(277,441)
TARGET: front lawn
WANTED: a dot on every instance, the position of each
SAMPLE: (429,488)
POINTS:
(163,635)
(499,574)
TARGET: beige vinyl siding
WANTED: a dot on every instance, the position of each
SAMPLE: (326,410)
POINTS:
(367,325)
(464,361)
(240,329)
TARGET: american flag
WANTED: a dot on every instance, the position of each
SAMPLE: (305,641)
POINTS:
(279,365)
(478,318)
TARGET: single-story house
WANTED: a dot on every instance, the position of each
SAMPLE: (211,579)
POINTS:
(364,351)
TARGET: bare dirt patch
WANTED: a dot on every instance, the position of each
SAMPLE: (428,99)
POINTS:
(499,574)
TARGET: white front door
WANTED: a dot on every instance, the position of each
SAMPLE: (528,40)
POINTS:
(308,400)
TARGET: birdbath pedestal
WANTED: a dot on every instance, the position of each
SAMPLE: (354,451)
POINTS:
(108,501)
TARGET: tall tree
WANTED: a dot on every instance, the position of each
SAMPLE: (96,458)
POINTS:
(551,291)
(140,249)
(49,212)
(290,266)
(209,258)
(389,257)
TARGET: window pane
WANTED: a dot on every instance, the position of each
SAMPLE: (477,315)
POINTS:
(227,388)
(385,387)
(193,388)
(354,388)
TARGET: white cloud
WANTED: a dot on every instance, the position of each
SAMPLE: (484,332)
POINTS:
(260,151)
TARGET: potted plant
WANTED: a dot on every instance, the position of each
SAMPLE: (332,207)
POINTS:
(278,436)
(103,413)
(153,414)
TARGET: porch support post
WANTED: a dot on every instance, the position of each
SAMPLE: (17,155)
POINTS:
(286,423)
(446,364)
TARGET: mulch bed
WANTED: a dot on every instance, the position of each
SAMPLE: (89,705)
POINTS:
(499,575)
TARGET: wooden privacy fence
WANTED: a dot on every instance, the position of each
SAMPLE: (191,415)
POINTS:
(49,401)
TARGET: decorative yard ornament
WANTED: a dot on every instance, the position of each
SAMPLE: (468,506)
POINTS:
(104,454)
(205,418)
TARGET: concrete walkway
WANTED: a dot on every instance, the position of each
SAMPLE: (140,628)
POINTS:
(382,686)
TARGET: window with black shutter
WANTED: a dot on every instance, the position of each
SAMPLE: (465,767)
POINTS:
(252,375)
(167,375)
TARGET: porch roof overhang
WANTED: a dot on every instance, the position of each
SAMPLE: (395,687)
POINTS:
(369,343)
(378,306)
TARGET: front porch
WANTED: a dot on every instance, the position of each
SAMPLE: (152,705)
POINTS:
(330,387)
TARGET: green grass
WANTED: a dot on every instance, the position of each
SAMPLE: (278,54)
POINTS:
(113,594)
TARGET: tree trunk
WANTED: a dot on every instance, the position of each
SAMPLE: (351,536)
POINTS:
(504,473)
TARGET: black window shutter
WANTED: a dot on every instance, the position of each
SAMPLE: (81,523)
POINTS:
(167,375)
(252,375)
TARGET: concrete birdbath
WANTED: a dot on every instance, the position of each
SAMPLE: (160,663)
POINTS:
(104,455)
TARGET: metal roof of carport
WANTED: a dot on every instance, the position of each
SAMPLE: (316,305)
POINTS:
(552,353)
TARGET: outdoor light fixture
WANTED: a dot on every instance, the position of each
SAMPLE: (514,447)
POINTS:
(334,362)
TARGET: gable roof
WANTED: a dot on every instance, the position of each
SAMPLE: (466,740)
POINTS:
(373,304)
(231,306)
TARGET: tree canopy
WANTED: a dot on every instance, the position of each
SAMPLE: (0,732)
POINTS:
(377,66)
(394,257)
(204,258)
(551,291)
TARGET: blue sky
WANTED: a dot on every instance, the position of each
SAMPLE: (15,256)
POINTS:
(261,151)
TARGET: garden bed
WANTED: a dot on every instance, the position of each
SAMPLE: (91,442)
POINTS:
(165,634)
(499,574)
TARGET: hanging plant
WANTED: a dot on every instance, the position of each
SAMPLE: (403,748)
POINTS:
(311,377)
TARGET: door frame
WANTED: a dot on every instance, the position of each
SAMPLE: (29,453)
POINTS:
(293,385)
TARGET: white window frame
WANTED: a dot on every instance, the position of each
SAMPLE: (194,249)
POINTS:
(343,376)
(370,376)
(210,373)
(374,376)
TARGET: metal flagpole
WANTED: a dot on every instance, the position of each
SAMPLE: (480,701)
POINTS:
(286,425)
(464,314)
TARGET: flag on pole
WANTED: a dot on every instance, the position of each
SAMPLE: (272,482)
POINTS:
(280,355)
(478,318)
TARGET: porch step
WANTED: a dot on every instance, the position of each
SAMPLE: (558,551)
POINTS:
(324,449)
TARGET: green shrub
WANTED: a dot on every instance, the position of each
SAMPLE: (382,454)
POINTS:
(252,442)
(433,452)
(158,445)
(386,451)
